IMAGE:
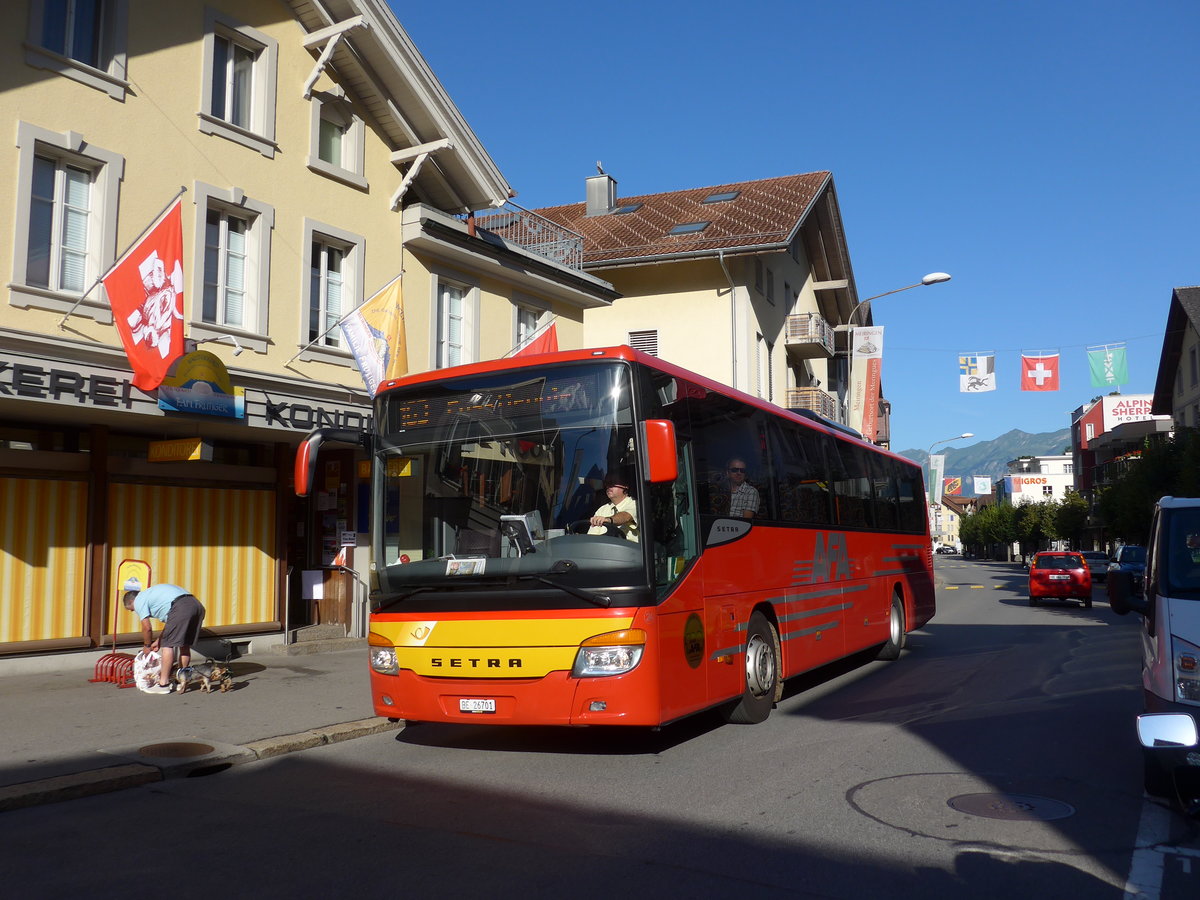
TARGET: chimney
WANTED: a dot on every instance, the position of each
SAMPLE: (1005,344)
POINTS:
(601,193)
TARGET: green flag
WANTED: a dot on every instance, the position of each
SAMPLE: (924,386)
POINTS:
(1109,367)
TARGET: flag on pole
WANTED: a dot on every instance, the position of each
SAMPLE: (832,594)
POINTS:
(375,334)
(145,291)
(866,363)
(1108,366)
(952,487)
(937,464)
(545,342)
(1039,373)
(976,373)
(983,485)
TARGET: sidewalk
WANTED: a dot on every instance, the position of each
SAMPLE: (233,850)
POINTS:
(65,737)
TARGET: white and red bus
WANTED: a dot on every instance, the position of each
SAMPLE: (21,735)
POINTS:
(488,604)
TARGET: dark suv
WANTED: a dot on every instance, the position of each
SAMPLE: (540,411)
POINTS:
(1132,559)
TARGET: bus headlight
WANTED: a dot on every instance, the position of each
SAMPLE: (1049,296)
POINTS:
(382,654)
(614,653)
(1187,670)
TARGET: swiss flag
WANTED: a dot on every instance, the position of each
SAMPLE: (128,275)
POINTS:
(145,290)
(1039,373)
(546,342)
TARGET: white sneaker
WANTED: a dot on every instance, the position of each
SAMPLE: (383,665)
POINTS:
(158,689)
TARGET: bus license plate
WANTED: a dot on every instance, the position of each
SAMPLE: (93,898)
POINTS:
(476,705)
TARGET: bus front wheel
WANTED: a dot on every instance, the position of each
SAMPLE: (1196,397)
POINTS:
(762,674)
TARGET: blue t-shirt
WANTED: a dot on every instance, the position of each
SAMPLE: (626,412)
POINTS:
(156,601)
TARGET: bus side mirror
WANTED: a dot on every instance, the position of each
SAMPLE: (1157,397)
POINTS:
(306,453)
(660,457)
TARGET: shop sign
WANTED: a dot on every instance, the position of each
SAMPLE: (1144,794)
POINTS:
(181,450)
(201,385)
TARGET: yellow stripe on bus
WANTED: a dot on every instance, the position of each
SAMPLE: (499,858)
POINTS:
(498,633)
(476,662)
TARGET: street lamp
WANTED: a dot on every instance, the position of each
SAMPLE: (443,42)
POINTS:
(931,278)
(929,463)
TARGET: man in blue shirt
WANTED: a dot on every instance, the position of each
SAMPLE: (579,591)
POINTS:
(181,615)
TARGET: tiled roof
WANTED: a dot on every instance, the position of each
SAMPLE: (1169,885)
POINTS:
(766,212)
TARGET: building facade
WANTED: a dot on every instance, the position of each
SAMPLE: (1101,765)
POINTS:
(316,159)
(748,283)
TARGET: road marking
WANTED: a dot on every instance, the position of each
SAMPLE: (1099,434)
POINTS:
(1149,859)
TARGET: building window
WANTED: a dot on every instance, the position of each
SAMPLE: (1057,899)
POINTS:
(333,286)
(454,333)
(336,138)
(758,274)
(1089,430)
(646,341)
(238,101)
(233,251)
(770,292)
(83,40)
(1047,490)
(1192,363)
(66,221)
(225,251)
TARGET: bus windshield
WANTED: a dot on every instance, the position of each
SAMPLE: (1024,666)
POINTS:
(491,479)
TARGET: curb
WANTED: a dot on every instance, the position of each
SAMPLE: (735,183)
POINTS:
(116,778)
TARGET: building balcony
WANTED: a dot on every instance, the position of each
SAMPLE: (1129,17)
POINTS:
(809,336)
(522,228)
(816,400)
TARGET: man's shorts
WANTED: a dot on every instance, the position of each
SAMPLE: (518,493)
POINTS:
(182,627)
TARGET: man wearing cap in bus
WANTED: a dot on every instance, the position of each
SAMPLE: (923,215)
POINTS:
(181,615)
(620,510)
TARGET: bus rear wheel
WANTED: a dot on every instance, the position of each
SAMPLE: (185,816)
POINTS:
(762,674)
(897,625)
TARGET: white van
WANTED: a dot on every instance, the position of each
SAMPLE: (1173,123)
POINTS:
(1169,730)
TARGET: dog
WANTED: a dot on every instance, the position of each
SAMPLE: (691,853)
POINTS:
(207,675)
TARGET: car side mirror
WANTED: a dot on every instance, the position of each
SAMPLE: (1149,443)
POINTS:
(1121,596)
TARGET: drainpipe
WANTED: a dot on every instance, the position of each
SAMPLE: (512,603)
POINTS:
(732,320)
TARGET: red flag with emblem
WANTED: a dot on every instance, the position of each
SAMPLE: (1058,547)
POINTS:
(145,290)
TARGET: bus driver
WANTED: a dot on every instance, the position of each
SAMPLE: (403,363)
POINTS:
(620,510)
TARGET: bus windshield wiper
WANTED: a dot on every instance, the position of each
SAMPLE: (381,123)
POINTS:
(592,597)
(398,598)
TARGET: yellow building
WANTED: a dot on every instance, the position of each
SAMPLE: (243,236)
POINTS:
(748,283)
(317,158)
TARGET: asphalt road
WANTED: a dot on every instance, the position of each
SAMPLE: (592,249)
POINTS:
(995,759)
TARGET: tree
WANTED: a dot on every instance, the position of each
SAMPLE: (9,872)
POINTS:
(1070,519)
(1167,467)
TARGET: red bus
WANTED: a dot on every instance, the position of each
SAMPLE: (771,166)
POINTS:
(491,604)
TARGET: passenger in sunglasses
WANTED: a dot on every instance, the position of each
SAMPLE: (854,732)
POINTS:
(743,498)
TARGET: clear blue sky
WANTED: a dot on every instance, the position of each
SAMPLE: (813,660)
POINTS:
(1043,153)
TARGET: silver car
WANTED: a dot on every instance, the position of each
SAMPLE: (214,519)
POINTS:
(1097,562)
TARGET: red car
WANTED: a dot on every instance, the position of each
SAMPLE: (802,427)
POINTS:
(1060,573)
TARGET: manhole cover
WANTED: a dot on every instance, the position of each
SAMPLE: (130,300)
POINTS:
(1014,807)
(176,749)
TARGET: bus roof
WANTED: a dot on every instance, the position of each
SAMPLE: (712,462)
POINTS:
(629,354)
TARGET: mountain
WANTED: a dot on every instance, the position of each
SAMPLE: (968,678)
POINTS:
(991,458)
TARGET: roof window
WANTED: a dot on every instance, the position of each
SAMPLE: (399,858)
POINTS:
(688,228)
(721,197)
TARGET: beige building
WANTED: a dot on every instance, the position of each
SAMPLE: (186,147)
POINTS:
(317,157)
(746,283)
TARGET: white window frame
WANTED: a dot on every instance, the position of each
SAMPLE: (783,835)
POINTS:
(331,105)
(536,312)
(108,170)
(260,218)
(355,248)
(260,135)
(469,345)
(112,78)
